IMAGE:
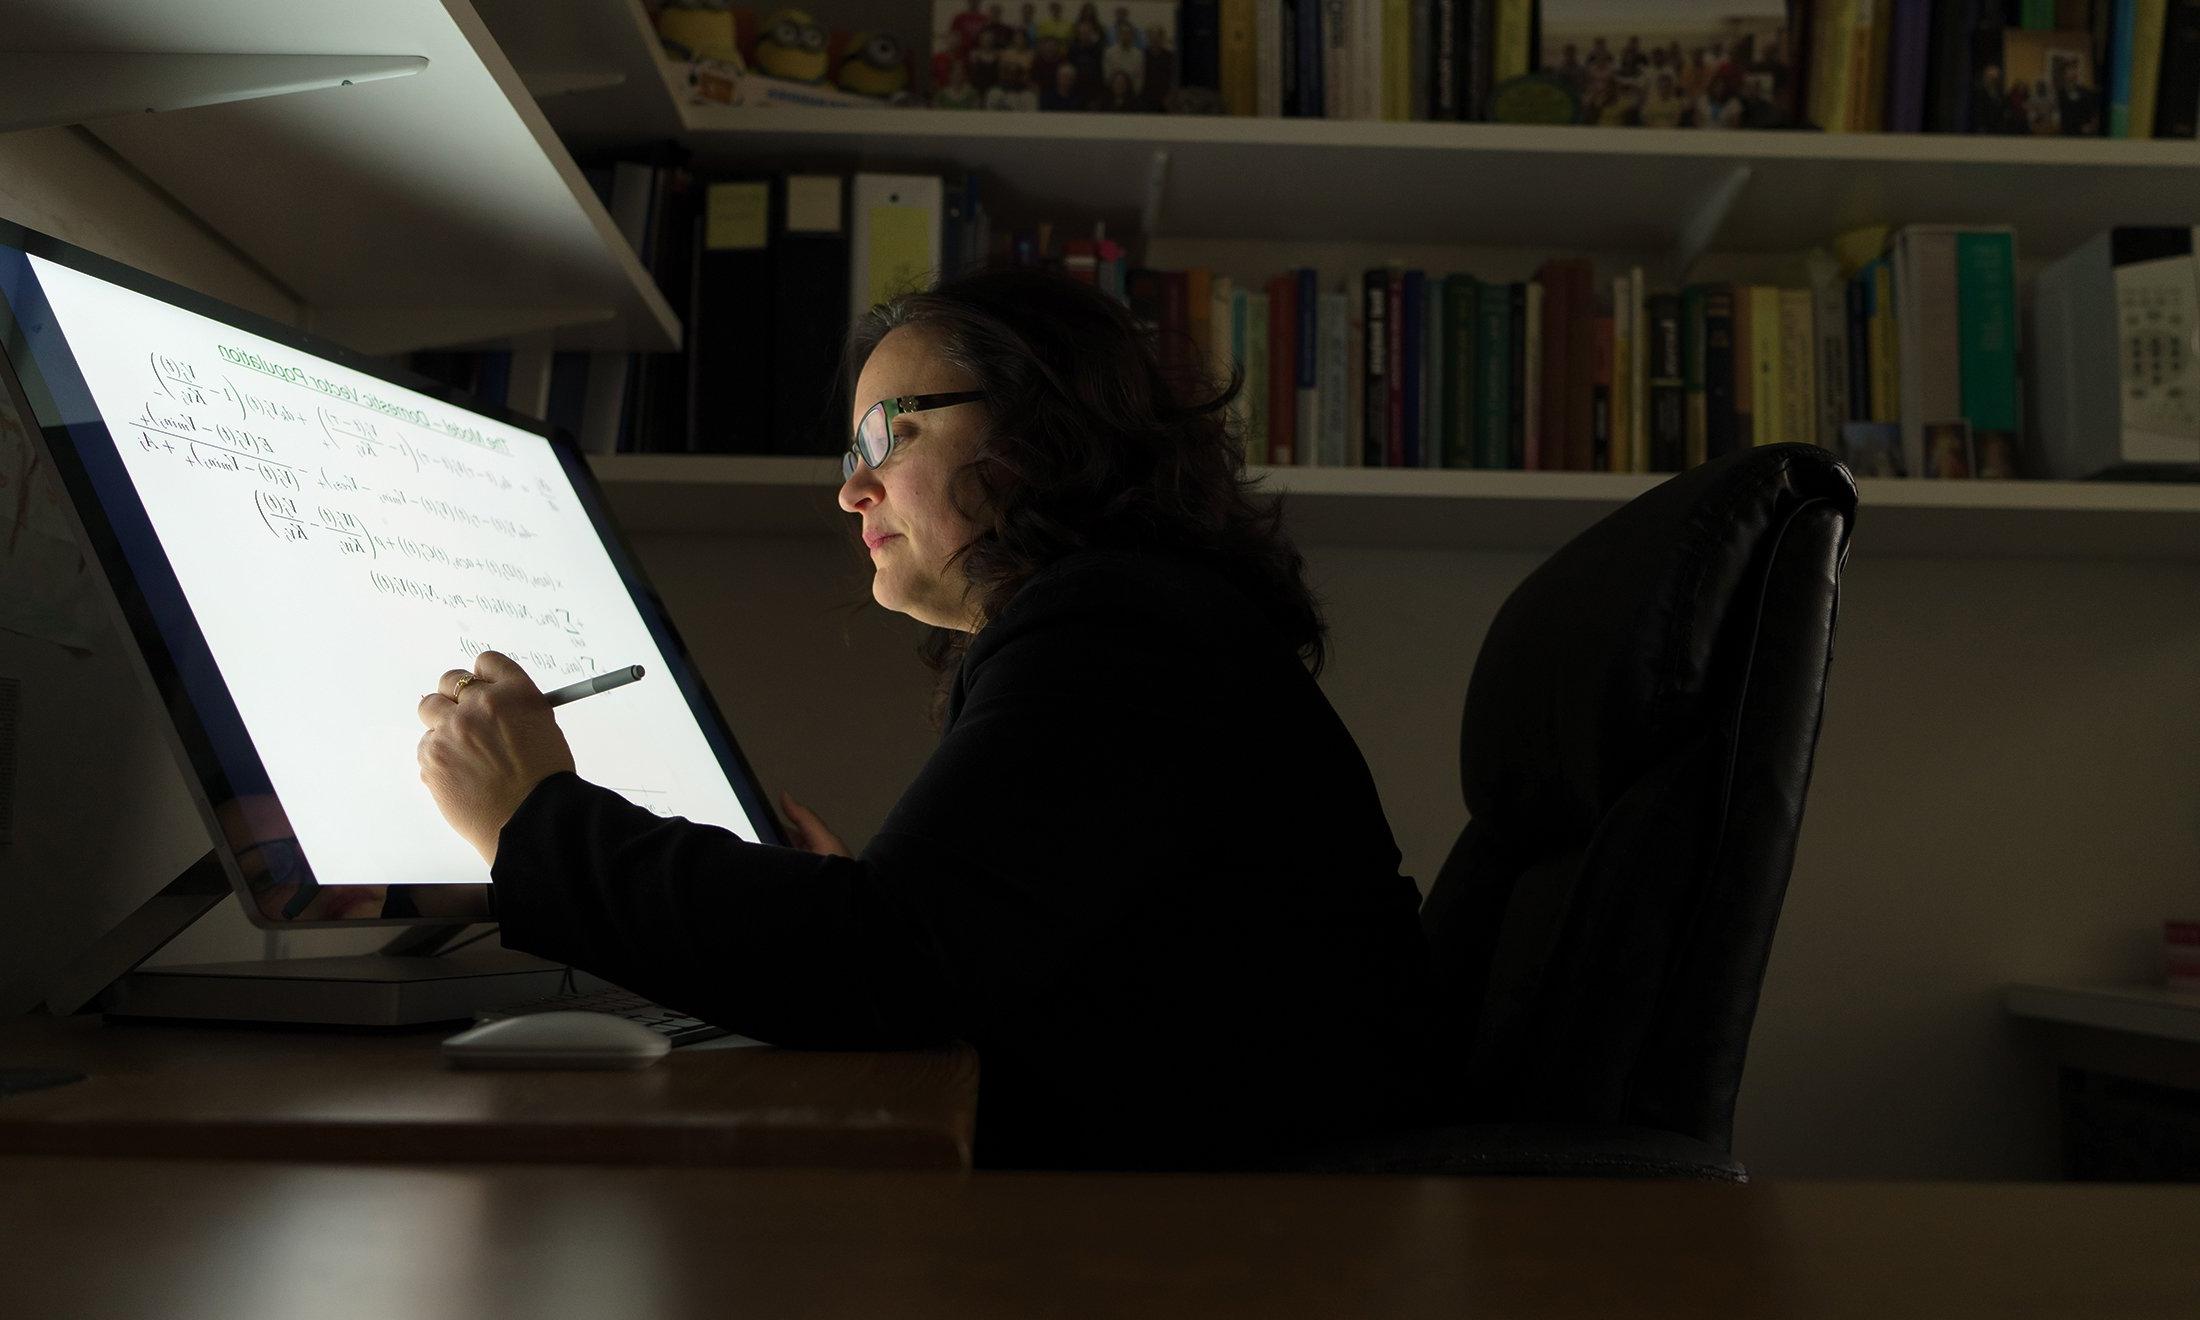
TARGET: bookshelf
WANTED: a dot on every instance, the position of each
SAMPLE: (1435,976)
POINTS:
(427,210)
(1676,191)
(1667,197)
(743,495)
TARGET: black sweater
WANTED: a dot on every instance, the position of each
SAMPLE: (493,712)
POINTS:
(1145,873)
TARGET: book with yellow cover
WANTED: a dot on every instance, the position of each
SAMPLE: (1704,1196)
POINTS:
(1768,397)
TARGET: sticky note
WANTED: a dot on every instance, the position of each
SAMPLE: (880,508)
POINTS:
(735,216)
(813,203)
(901,251)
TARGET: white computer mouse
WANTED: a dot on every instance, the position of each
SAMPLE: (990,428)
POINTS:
(559,1039)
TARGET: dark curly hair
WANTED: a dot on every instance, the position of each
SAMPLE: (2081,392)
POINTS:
(1095,437)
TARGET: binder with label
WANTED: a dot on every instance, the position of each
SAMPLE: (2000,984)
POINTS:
(810,254)
(729,328)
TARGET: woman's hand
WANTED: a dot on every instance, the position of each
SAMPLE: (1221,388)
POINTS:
(807,832)
(489,742)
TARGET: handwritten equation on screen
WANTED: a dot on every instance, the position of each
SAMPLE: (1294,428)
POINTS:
(427,512)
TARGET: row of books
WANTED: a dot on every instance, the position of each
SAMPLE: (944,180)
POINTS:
(1900,354)
(2117,68)
(1906,365)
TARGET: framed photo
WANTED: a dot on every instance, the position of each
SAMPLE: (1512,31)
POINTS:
(2036,83)
(1672,65)
(1118,58)
(1872,449)
(1948,449)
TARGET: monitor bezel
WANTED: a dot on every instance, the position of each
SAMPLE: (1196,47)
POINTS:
(132,610)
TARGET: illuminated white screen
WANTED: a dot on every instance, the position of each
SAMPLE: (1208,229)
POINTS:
(342,541)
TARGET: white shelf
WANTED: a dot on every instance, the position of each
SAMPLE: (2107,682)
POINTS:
(741,495)
(2143,1010)
(434,209)
(1641,190)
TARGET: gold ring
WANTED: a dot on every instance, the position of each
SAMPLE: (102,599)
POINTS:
(460,685)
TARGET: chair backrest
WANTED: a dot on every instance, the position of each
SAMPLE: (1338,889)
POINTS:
(1635,749)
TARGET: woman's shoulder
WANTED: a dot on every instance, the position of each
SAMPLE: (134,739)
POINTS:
(1176,592)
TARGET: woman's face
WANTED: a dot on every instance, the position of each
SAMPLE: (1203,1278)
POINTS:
(905,500)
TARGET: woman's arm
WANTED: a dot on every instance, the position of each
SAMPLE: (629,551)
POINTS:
(783,945)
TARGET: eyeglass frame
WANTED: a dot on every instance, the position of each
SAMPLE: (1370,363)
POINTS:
(895,407)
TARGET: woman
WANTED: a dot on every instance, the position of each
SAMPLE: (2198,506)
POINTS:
(1145,872)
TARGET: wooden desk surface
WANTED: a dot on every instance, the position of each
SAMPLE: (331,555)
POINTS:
(238,1240)
(284,1093)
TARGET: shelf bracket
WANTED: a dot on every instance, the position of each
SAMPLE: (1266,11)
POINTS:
(1702,228)
(1157,180)
(46,89)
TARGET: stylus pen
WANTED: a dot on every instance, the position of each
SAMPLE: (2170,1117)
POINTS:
(589,687)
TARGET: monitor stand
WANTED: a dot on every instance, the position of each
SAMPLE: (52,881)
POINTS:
(408,983)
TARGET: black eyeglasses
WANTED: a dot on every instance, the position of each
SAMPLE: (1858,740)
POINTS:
(875,433)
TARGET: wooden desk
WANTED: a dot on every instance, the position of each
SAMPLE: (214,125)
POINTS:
(284,1093)
(122,1239)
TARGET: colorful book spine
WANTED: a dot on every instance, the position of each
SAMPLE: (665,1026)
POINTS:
(1886,342)
(1623,349)
(1531,378)
(1493,381)
(1397,58)
(1513,52)
(1692,326)
(1306,426)
(2120,44)
(1432,371)
(1516,398)
(1307,46)
(1600,395)
(1857,322)
(1461,304)
(1412,355)
(1375,367)
(1580,350)
(1337,60)
(1830,365)
(1221,356)
(1767,381)
(1722,424)
(1548,449)
(2147,17)
(1930,387)
(1333,321)
(1986,298)
(1394,436)
(1745,369)
(1833,32)
(2177,99)
(1239,73)
(1798,373)
(1256,378)
(1668,390)
(1909,44)
(1283,370)
(1443,58)
(1638,373)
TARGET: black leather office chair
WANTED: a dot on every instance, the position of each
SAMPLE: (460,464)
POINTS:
(1637,741)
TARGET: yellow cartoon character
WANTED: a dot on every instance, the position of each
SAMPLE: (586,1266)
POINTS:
(792,46)
(873,66)
(700,29)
